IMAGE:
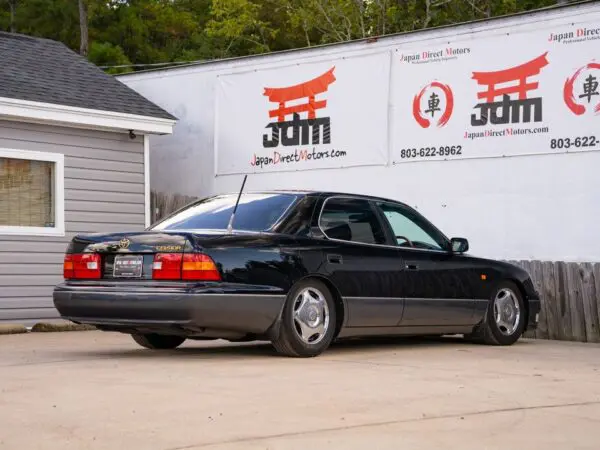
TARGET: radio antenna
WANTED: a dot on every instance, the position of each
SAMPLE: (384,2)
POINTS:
(230,225)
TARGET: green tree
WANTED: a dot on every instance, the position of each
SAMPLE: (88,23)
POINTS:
(52,19)
(330,20)
(105,54)
(237,28)
(143,32)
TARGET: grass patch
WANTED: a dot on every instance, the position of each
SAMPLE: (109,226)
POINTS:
(47,327)
(8,328)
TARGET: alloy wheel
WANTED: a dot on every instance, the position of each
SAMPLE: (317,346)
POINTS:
(311,315)
(507,311)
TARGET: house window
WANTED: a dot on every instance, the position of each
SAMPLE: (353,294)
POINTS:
(31,193)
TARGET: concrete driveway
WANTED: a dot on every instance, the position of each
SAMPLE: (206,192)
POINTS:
(94,390)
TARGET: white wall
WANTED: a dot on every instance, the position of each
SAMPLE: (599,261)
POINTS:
(523,207)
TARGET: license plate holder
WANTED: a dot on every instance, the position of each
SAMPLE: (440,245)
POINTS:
(128,266)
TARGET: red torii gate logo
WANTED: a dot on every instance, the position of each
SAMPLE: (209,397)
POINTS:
(509,110)
(299,127)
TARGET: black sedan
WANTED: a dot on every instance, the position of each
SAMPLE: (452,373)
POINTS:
(299,269)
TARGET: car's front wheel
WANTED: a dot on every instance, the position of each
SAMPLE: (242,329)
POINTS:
(158,341)
(308,321)
(505,318)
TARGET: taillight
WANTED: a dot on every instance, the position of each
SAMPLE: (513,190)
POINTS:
(167,266)
(197,266)
(83,266)
(68,270)
(188,266)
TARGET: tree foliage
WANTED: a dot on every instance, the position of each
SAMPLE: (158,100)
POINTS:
(123,32)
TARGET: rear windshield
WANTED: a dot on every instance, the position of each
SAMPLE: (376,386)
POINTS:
(255,212)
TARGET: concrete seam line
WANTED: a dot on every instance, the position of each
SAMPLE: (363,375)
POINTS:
(385,423)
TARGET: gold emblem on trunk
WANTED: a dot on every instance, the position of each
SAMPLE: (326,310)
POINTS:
(124,243)
(169,248)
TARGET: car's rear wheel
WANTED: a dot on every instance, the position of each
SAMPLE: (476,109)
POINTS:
(308,321)
(158,341)
(505,318)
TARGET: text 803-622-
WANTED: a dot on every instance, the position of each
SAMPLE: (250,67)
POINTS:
(575,142)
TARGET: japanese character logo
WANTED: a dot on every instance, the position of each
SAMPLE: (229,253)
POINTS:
(434,93)
(302,129)
(588,90)
(513,81)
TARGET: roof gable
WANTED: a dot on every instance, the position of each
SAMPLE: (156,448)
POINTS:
(45,71)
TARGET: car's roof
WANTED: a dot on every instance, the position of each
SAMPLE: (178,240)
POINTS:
(317,193)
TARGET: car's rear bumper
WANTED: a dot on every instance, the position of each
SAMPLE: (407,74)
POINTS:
(176,309)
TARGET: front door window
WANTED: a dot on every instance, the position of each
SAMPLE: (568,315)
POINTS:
(411,230)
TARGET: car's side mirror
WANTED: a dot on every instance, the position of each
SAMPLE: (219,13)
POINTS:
(459,245)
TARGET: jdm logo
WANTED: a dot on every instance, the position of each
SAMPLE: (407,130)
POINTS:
(299,131)
(514,81)
(586,79)
(434,93)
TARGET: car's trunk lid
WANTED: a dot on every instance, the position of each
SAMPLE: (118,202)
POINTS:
(131,255)
(134,242)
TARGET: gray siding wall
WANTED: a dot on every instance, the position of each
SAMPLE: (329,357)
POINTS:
(104,191)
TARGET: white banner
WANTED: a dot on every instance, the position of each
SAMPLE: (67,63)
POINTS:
(516,93)
(305,116)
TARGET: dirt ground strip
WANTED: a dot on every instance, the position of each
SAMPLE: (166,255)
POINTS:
(94,390)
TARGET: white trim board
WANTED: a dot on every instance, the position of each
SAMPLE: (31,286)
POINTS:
(147,180)
(59,193)
(70,116)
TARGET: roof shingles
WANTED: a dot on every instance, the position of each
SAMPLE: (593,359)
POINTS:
(41,70)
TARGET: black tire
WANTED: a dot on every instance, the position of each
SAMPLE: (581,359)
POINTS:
(289,341)
(158,341)
(488,331)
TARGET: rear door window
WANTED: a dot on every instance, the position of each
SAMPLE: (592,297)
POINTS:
(351,219)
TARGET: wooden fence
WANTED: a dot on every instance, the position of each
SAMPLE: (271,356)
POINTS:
(570,291)
(161,204)
(570,295)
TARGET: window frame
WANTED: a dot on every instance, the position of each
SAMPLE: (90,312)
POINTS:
(58,159)
(384,224)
